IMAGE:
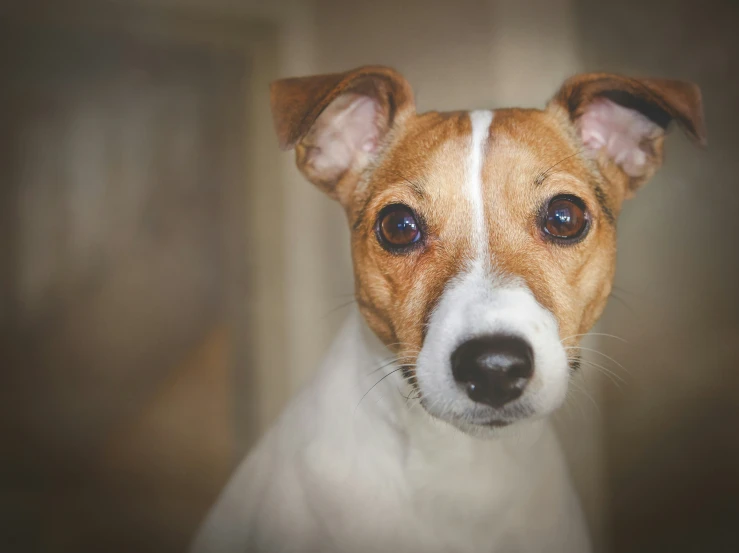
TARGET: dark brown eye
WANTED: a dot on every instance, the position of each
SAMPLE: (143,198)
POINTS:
(565,218)
(397,227)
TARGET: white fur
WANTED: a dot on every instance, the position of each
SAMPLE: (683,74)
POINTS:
(475,304)
(345,472)
(481,121)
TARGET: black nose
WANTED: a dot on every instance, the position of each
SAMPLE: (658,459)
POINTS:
(493,369)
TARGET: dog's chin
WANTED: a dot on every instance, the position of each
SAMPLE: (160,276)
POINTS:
(490,425)
(487,431)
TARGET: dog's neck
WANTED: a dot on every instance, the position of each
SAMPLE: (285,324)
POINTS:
(365,425)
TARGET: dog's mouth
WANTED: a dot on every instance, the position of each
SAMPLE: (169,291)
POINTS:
(495,423)
(478,418)
(489,363)
(499,418)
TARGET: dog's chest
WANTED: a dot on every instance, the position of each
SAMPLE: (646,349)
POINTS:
(472,483)
(432,494)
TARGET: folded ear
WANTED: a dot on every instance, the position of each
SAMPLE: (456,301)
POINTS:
(337,122)
(622,122)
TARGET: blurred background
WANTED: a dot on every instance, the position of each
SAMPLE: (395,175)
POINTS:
(169,280)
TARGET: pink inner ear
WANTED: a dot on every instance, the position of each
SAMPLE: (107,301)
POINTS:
(621,132)
(344,136)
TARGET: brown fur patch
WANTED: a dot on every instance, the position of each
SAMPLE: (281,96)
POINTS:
(403,289)
(425,168)
(531,156)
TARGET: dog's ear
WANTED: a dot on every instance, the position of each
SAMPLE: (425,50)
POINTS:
(337,122)
(621,122)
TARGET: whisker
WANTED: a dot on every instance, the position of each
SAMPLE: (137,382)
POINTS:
(616,379)
(414,391)
(390,362)
(600,353)
(624,290)
(373,387)
(622,302)
(340,306)
(416,186)
(541,177)
(575,387)
(595,334)
(583,390)
(399,344)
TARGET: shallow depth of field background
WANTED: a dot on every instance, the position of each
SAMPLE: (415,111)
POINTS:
(169,280)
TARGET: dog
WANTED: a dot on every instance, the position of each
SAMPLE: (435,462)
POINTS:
(483,246)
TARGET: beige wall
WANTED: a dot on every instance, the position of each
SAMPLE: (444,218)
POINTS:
(671,444)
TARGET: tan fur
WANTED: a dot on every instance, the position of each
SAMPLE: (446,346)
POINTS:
(531,156)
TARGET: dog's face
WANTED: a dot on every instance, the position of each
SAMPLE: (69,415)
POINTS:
(483,242)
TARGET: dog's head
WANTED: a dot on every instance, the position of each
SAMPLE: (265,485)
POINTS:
(482,241)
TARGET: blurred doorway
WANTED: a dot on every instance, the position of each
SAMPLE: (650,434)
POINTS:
(123,310)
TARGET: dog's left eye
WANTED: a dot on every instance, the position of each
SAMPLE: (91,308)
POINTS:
(397,227)
(565,219)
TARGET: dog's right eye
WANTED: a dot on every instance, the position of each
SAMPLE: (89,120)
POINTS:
(397,228)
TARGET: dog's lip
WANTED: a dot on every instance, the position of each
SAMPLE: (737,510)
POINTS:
(494,423)
(491,422)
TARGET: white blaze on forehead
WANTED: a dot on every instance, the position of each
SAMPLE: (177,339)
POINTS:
(477,302)
(481,121)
